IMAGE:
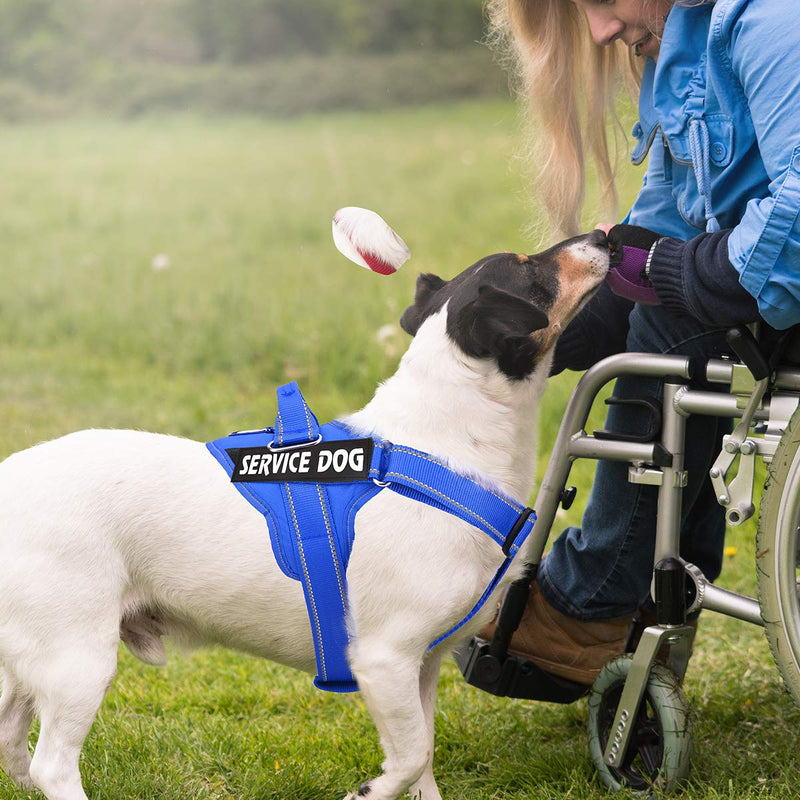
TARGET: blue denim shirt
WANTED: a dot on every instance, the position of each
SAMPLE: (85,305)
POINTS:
(719,115)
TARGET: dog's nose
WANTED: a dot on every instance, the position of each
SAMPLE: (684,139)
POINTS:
(598,237)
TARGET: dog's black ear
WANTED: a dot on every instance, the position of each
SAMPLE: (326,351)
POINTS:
(496,324)
(428,285)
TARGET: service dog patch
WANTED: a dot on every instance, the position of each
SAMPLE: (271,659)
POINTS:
(321,462)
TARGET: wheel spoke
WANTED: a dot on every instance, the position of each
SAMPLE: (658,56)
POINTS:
(649,733)
(644,743)
(651,757)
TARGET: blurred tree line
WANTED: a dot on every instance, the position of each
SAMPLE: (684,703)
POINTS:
(254,30)
(77,48)
(34,33)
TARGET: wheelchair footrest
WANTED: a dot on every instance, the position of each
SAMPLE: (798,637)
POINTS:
(513,676)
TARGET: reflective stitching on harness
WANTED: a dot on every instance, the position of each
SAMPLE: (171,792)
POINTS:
(308,422)
(445,497)
(279,423)
(332,545)
(425,457)
(317,631)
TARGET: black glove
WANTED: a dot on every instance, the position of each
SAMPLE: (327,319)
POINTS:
(630,249)
(632,236)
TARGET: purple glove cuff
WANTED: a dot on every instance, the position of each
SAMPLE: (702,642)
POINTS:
(625,279)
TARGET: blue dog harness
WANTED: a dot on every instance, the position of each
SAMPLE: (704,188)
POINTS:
(310,480)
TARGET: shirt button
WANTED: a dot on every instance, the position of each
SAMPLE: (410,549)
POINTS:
(719,151)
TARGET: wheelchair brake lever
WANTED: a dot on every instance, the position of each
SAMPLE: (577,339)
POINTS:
(741,340)
(737,496)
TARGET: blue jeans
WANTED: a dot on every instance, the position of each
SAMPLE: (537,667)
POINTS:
(603,569)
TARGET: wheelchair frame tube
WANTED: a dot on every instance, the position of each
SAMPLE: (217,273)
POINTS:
(573,442)
(747,609)
(670,493)
(716,404)
(721,371)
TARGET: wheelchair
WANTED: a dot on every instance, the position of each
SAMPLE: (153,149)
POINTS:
(639,726)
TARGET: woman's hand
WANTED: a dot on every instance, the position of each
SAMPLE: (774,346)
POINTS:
(631,251)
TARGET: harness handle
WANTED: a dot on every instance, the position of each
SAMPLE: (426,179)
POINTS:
(295,423)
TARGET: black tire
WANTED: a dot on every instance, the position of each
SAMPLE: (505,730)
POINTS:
(660,752)
(777,544)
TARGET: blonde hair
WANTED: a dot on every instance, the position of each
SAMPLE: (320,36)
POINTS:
(570,86)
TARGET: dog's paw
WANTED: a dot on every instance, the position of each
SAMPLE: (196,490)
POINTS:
(364,791)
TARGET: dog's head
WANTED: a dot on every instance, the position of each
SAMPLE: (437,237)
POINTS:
(512,308)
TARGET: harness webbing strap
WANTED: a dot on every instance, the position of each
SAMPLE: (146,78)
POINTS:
(422,477)
(323,582)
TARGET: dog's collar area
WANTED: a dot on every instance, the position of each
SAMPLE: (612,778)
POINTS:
(310,481)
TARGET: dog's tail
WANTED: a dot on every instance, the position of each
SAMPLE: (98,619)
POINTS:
(142,633)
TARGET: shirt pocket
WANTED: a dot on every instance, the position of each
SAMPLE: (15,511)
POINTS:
(644,134)
(720,141)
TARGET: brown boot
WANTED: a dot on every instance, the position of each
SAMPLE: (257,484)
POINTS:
(562,645)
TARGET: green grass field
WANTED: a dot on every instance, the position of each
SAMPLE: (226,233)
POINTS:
(254,294)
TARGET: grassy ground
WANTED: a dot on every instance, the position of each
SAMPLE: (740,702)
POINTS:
(92,335)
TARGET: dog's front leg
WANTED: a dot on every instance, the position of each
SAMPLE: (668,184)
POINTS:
(425,788)
(16,715)
(389,680)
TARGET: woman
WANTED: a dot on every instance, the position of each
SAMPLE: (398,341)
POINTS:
(716,225)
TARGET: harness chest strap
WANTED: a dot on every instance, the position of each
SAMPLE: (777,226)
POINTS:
(319,512)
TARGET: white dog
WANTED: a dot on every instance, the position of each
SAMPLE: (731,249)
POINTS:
(109,535)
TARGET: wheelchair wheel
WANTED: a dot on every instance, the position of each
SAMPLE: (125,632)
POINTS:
(660,751)
(778,559)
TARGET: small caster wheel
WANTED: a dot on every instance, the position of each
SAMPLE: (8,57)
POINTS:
(660,751)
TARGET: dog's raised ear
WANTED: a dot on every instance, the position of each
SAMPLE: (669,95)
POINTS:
(428,285)
(498,324)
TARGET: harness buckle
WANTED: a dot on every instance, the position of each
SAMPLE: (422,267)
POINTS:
(516,528)
(274,447)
